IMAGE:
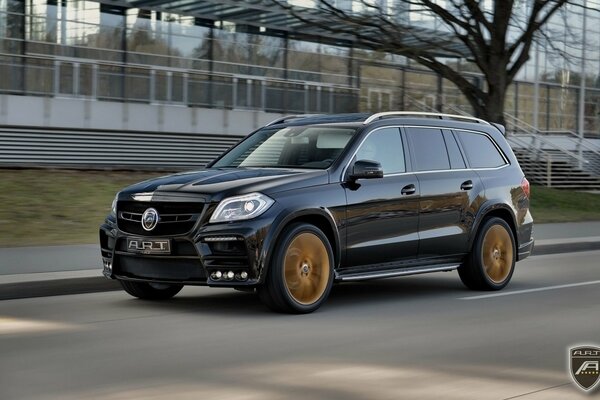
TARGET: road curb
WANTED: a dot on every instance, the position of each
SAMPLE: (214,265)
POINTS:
(56,287)
(557,248)
(59,287)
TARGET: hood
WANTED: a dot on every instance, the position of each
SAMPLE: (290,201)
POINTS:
(219,183)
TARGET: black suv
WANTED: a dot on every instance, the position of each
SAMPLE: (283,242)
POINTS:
(307,201)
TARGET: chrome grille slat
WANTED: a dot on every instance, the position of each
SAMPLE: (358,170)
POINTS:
(137,217)
(131,216)
(170,221)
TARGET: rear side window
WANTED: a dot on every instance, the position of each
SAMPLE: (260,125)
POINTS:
(456,159)
(428,148)
(385,147)
(480,150)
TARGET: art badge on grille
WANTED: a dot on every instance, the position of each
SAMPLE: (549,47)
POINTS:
(150,219)
(584,366)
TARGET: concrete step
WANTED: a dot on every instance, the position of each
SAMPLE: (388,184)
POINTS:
(564,173)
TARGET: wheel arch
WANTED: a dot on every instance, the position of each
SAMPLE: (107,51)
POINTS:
(319,217)
(499,210)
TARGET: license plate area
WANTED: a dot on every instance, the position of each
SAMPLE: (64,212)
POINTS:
(148,246)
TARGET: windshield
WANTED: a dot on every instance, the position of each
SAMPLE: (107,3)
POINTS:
(292,147)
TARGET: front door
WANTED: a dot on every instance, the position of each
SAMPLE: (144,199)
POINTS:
(382,213)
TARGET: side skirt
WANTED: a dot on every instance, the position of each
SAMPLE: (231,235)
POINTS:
(389,273)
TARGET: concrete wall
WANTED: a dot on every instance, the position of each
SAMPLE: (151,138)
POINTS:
(74,113)
(82,133)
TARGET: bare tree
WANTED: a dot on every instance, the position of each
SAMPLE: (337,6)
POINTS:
(497,39)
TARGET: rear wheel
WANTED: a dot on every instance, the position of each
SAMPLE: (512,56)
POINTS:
(300,275)
(151,291)
(492,260)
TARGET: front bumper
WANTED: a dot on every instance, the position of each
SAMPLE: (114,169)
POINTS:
(525,250)
(194,257)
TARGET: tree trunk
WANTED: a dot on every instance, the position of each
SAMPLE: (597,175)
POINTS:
(494,106)
(490,105)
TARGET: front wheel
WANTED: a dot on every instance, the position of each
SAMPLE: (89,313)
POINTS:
(492,260)
(300,275)
(151,291)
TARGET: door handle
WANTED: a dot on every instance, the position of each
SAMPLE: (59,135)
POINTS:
(467,185)
(409,189)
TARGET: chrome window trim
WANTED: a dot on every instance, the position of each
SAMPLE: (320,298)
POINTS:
(498,149)
(507,163)
(447,170)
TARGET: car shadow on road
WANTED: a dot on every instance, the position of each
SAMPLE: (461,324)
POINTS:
(395,289)
(344,295)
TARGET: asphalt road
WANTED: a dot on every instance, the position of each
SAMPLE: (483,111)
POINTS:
(415,337)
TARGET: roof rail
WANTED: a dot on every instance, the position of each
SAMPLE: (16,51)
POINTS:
(287,117)
(422,114)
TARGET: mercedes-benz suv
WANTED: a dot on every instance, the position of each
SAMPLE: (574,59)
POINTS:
(308,201)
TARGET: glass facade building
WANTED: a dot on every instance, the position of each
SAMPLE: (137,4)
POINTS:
(108,52)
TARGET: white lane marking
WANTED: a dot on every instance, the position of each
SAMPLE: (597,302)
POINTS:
(541,289)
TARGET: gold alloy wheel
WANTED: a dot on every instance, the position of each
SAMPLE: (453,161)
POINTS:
(306,268)
(497,253)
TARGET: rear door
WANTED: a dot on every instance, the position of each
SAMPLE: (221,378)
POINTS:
(449,192)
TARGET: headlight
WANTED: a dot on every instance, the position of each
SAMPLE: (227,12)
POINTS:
(241,207)
(113,208)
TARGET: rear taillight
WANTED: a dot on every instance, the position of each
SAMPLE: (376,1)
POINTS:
(525,187)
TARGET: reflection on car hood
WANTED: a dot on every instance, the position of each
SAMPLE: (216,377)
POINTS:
(224,182)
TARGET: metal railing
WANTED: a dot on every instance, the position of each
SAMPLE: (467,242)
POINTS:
(538,164)
(457,109)
(577,166)
(101,80)
(574,138)
(539,139)
(418,104)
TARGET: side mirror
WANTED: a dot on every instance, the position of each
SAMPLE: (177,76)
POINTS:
(366,169)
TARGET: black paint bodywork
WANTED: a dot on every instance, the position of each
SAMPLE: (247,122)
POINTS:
(371,224)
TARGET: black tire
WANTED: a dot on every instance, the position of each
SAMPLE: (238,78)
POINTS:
(298,282)
(491,263)
(151,291)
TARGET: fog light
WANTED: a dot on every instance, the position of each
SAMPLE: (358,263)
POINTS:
(243,276)
(216,275)
(229,275)
(107,264)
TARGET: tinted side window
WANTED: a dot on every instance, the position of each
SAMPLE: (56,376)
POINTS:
(456,158)
(480,150)
(428,148)
(385,147)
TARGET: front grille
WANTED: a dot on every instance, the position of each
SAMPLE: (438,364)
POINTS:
(175,218)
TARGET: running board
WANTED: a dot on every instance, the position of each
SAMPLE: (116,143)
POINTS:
(399,272)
